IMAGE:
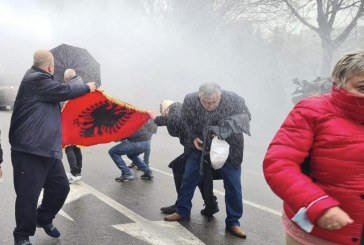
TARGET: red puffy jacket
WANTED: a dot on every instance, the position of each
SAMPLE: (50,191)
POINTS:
(331,128)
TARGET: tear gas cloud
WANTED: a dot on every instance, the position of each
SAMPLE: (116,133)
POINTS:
(148,57)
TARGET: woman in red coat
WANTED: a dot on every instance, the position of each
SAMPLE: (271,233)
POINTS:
(325,206)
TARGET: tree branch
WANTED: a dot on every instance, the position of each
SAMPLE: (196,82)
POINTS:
(299,17)
(342,37)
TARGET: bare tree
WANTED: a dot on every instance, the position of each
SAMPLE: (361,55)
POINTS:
(332,20)
(213,15)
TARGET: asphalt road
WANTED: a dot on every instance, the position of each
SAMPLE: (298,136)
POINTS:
(102,211)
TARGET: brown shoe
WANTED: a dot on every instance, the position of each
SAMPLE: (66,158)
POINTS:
(236,231)
(174,217)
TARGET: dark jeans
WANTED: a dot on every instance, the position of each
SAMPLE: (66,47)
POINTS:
(206,185)
(74,157)
(31,174)
(232,184)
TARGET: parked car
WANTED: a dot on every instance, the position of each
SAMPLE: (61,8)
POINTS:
(7,97)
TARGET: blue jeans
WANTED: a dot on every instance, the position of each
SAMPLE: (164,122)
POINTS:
(132,150)
(232,185)
(146,154)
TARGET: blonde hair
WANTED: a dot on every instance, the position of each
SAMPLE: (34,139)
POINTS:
(348,66)
(164,105)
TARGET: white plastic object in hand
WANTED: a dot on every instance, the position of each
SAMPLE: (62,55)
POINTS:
(219,152)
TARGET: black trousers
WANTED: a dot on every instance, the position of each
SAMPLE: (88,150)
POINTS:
(31,174)
(206,186)
(74,157)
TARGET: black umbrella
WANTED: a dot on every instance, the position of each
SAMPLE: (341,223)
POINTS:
(79,59)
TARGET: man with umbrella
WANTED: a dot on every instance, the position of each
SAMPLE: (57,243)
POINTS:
(35,136)
(73,152)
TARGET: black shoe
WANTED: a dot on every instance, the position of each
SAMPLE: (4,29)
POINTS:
(169,209)
(147,176)
(51,230)
(208,211)
(132,165)
(23,242)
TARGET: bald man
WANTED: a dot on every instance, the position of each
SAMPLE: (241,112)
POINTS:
(69,74)
(35,136)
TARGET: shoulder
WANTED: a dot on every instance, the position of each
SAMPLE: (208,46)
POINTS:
(311,109)
(316,103)
(35,74)
(231,96)
(175,107)
(76,79)
(232,99)
(190,97)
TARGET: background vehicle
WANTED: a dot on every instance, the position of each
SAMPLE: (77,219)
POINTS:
(7,97)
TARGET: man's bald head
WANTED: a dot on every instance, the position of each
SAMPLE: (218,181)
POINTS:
(69,74)
(44,60)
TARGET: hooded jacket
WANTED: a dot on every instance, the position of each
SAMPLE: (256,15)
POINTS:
(35,126)
(331,128)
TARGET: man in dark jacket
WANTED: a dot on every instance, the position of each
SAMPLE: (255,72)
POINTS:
(226,114)
(133,146)
(35,136)
(171,118)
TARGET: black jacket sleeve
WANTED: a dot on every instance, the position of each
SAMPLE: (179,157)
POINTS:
(52,91)
(160,121)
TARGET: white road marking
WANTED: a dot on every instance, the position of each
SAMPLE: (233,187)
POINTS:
(153,232)
(222,193)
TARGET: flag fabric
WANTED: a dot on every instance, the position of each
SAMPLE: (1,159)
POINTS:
(97,118)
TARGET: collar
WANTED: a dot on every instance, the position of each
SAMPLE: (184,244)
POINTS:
(351,105)
(41,70)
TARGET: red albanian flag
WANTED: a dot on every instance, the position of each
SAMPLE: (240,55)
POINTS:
(96,118)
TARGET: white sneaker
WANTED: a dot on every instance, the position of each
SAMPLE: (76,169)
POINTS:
(72,179)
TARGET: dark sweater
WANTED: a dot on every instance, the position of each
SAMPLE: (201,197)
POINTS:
(174,123)
(231,116)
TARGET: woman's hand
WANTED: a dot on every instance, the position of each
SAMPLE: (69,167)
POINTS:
(334,219)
